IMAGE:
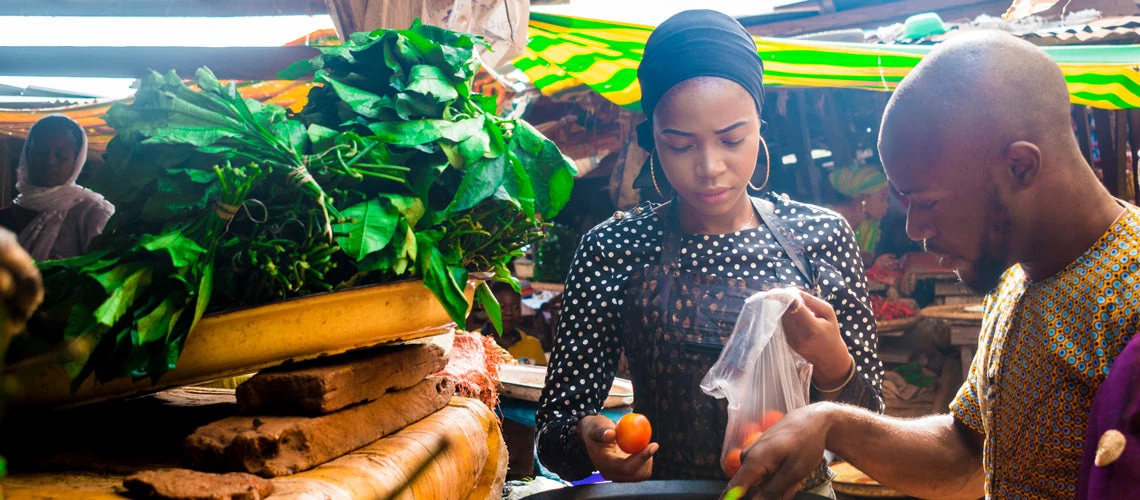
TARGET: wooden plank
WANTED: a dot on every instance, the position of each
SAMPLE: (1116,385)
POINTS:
(162,8)
(961,300)
(1102,120)
(229,63)
(949,380)
(876,15)
(964,335)
(895,355)
(151,438)
(473,465)
(276,446)
(967,353)
(249,340)
(955,289)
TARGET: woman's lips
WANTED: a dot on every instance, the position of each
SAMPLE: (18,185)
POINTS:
(714,196)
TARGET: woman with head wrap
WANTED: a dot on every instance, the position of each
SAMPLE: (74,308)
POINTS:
(865,200)
(664,283)
(54,217)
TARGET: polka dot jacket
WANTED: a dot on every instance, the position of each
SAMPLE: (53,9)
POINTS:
(588,339)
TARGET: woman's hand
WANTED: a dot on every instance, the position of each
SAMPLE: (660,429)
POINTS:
(813,331)
(600,436)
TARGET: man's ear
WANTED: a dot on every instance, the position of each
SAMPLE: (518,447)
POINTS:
(1023,164)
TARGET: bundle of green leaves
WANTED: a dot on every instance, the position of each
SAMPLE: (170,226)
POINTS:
(393,170)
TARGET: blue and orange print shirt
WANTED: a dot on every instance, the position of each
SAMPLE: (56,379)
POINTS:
(1044,349)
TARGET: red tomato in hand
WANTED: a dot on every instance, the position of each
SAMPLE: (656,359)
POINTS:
(732,462)
(770,419)
(633,433)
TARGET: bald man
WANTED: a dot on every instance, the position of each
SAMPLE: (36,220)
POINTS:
(978,142)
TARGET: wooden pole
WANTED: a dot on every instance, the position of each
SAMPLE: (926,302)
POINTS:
(1081,119)
(1134,144)
(7,173)
(835,124)
(804,162)
(1102,120)
(1120,142)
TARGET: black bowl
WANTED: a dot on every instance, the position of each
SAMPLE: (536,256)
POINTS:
(674,489)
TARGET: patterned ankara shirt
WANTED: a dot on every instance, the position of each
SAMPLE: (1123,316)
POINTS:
(1044,349)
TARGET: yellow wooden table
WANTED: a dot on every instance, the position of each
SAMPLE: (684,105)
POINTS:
(244,341)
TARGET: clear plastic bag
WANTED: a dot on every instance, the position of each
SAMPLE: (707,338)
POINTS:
(758,373)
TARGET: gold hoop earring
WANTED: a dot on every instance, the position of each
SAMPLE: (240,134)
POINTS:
(653,175)
(767,168)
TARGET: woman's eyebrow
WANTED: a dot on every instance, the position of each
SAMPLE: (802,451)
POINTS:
(730,128)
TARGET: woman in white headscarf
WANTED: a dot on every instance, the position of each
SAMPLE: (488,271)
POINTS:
(54,217)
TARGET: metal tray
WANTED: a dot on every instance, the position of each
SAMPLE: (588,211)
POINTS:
(526,382)
(673,489)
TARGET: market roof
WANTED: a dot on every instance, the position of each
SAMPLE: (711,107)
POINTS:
(16,123)
(1114,30)
(814,16)
(162,8)
(567,53)
(570,56)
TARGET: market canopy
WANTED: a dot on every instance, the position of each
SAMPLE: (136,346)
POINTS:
(566,54)
(16,123)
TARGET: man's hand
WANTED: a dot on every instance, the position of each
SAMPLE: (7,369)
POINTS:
(931,457)
(776,465)
(21,288)
(600,436)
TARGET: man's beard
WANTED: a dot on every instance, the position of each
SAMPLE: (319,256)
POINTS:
(992,261)
(987,275)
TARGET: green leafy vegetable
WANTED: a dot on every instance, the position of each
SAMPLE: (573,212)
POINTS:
(393,170)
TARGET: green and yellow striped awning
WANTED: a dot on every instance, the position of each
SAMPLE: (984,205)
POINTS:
(568,56)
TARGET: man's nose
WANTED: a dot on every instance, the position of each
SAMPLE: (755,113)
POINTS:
(918,228)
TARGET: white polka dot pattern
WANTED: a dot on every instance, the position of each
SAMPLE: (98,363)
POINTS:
(588,340)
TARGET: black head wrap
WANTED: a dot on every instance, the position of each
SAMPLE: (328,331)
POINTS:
(690,44)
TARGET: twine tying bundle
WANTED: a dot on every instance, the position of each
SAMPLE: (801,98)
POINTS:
(301,175)
(225,211)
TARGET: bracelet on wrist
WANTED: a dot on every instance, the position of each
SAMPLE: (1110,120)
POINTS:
(850,375)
